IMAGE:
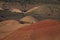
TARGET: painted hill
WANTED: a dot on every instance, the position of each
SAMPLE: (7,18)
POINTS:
(9,26)
(44,30)
(29,19)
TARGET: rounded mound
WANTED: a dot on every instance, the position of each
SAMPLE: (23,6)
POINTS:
(43,30)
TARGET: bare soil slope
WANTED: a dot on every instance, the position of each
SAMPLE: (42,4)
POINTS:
(9,26)
(44,30)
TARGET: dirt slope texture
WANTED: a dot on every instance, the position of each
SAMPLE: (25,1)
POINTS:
(29,19)
(9,26)
(44,30)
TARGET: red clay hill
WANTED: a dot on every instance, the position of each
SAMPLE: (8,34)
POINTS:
(44,30)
